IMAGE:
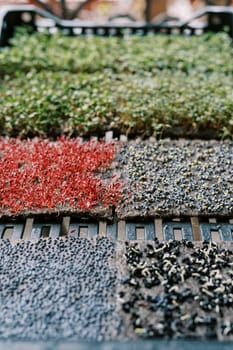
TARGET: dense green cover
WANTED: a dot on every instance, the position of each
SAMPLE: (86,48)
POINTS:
(153,85)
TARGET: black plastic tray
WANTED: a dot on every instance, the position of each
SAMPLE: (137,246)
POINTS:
(217,18)
(116,345)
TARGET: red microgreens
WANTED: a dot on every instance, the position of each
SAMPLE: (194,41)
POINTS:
(39,174)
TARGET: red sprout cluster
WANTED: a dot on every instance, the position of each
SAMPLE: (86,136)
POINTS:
(38,174)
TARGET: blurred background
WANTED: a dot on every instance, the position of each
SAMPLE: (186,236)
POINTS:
(102,10)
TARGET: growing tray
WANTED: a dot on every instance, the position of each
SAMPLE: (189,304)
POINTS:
(218,18)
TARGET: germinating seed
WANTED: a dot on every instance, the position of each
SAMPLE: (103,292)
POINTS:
(178,308)
(162,177)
